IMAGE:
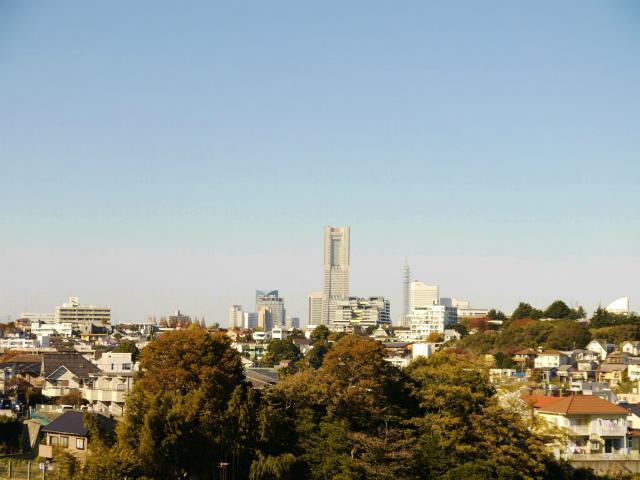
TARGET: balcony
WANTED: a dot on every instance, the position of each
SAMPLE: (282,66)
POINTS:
(103,395)
(611,431)
(50,391)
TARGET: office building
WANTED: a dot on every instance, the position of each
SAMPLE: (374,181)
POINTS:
(275,304)
(38,317)
(406,295)
(265,319)
(250,320)
(236,316)
(315,308)
(76,314)
(361,312)
(429,319)
(423,295)
(292,322)
(336,270)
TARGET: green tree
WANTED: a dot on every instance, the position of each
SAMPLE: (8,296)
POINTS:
(279,350)
(558,310)
(320,333)
(568,335)
(503,360)
(524,310)
(316,354)
(494,314)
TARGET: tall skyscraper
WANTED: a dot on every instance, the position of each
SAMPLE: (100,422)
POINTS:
(336,270)
(274,303)
(423,295)
(236,316)
(406,294)
(265,319)
(315,308)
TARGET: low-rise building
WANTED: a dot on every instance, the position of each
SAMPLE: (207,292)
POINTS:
(69,432)
(551,359)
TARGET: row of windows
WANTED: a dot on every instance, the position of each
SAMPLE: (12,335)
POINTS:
(63,441)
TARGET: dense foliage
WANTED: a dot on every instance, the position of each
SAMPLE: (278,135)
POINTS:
(347,414)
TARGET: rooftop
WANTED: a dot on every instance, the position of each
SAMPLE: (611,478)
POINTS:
(583,405)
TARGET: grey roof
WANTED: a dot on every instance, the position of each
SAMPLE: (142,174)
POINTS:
(632,407)
(612,367)
(74,362)
(261,377)
(73,424)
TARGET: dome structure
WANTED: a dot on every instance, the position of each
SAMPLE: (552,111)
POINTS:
(620,306)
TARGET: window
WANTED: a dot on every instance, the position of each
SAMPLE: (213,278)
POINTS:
(54,440)
(80,443)
(64,441)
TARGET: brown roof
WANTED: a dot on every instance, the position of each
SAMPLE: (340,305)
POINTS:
(74,362)
(538,401)
(583,404)
(26,358)
(526,351)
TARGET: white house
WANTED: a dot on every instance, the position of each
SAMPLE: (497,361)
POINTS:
(632,348)
(601,348)
(551,359)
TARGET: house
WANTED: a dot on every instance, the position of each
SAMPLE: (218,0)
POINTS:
(550,359)
(526,357)
(567,373)
(113,362)
(633,370)
(612,373)
(451,334)
(260,378)
(601,348)
(632,348)
(68,431)
(594,426)
(25,367)
(64,373)
(107,392)
(581,355)
(304,344)
(398,353)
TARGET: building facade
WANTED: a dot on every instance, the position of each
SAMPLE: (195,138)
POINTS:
(361,312)
(423,295)
(76,314)
(236,316)
(315,308)
(430,319)
(335,270)
(274,303)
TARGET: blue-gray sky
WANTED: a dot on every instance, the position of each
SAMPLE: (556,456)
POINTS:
(162,155)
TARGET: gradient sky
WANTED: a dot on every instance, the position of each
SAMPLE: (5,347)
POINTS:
(162,155)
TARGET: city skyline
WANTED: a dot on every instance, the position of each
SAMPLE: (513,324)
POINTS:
(194,156)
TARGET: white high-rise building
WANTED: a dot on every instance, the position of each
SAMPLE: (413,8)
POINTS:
(76,314)
(406,295)
(315,308)
(250,320)
(431,319)
(336,270)
(236,316)
(361,312)
(423,295)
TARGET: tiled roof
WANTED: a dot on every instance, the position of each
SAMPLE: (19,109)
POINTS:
(74,362)
(539,401)
(585,405)
(26,358)
(73,424)
(612,367)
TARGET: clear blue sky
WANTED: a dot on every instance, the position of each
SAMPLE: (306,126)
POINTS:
(162,155)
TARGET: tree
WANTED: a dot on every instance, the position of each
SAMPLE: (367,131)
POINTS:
(315,356)
(524,310)
(128,346)
(435,337)
(568,335)
(503,360)
(461,329)
(494,314)
(558,310)
(279,350)
(321,332)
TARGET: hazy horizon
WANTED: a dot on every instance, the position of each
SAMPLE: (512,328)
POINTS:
(159,157)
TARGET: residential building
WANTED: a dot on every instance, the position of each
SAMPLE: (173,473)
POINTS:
(601,348)
(236,316)
(178,319)
(631,347)
(469,312)
(420,349)
(64,373)
(18,343)
(106,391)
(361,312)
(429,319)
(594,425)
(38,317)
(612,373)
(69,432)
(398,353)
(62,329)
(76,314)
(113,362)
(315,308)
(335,270)
(274,303)
(551,359)
(423,295)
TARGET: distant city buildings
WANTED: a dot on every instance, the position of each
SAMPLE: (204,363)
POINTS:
(315,308)
(361,312)
(423,295)
(236,316)
(406,294)
(274,303)
(76,314)
(250,319)
(38,317)
(429,319)
(335,270)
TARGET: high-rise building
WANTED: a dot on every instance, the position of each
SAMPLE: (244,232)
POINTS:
(265,319)
(236,316)
(406,294)
(431,319)
(275,304)
(76,314)
(250,320)
(336,270)
(423,295)
(361,312)
(315,308)
(293,322)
